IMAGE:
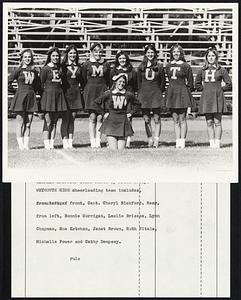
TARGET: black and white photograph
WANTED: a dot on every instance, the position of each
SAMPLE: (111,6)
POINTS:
(106,91)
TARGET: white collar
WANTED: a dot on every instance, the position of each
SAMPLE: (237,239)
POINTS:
(115,91)
(121,68)
(51,65)
(179,62)
(71,63)
(92,59)
(212,66)
(148,64)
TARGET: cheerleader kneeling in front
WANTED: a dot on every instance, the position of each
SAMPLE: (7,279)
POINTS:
(116,125)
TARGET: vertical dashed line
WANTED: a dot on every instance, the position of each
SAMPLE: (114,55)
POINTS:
(201,242)
(25,245)
(216,240)
(155,246)
(139,245)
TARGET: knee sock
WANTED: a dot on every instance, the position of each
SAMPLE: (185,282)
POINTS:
(182,143)
(26,142)
(46,144)
(65,143)
(70,143)
(217,143)
(97,142)
(211,142)
(92,143)
(20,143)
(51,144)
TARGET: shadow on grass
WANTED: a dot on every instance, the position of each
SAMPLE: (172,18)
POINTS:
(193,144)
(143,144)
(140,145)
(61,146)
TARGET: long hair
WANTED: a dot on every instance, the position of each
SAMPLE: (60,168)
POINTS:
(66,53)
(214,50)
(32,57)
(128,64)
(182,55)
(145,59)
(51,50)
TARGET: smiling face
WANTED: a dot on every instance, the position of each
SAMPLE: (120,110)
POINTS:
(176,54)
(150,54)
(97,53)
(122,60)
(120,83)
(72,55)
(211,58)
(54,58)
(27,58)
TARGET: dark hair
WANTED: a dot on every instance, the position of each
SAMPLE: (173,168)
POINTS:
(22,53)
(68,49)
(182,55)
(96,44)
(145,59)
(210,49)
(128,63)
(152,47)
(51,50)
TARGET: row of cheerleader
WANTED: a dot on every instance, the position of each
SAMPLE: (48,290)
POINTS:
(112,95)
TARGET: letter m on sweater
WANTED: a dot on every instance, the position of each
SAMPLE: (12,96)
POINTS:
(97,71)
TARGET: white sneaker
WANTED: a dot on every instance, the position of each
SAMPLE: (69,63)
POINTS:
(156,142)
(97,143)
(51,144)
(65,144)
(182,143)
(217,144)
(212,144)
(70,143)
(150,142)
(46,144)
(92,143)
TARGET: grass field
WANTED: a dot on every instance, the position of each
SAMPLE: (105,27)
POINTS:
(197,154)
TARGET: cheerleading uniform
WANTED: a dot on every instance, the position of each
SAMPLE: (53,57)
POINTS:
(72,82)
(209,81)
(95,81)
(117,123)
(180,76)
(24,99)
(151,84)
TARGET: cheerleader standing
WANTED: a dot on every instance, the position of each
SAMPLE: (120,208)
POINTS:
(95,74)
(24,102)
(53,102)
(72,80)
(151,84)
(212,101)
(116,124)
(123,65)
(178,97)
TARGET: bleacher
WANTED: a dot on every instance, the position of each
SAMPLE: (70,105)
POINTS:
(129,29)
